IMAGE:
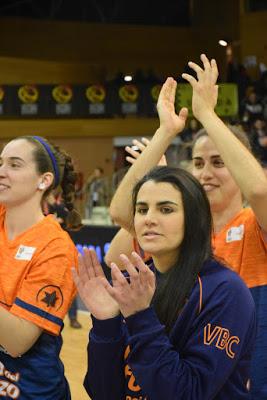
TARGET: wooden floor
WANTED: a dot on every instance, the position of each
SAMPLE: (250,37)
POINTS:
(74,355)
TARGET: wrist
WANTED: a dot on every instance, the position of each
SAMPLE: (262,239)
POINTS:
(165,134)
(105,316)
(206,115)
(130,313)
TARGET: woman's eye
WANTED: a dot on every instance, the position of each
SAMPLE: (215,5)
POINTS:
(198,165)
(166,210)
(219,163)
(141,210)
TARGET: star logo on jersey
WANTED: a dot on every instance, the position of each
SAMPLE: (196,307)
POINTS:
(51,295)
(50,299)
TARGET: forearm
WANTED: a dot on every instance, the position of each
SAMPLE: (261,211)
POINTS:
(17,335)
(121,205)
(242,165)
(122,243)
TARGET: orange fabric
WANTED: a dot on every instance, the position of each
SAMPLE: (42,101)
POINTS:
(241,245)
(138,249)
(35,274)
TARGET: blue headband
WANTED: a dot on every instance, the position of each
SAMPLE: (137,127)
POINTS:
(52,158)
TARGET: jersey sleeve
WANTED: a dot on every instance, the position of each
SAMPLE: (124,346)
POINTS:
(105,374)
(218,341)
(47,290)
(252,223)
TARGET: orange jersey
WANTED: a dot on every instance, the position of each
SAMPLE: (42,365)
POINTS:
(242,246)
(35,275)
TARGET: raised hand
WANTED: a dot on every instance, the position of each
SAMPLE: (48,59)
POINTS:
(134,154)
(89,281)
(205,90)
(135,295)
(169,120)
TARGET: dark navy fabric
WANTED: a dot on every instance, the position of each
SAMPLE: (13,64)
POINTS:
(38,374)
(258,375)
(206,355)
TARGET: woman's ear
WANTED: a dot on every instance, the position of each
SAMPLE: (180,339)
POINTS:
(48,179)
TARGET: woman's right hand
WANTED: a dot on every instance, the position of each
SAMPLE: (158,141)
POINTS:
(170,122)
(89,281)
(134,153)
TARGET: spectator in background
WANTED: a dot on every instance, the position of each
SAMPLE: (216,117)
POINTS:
(259,139)
(237,73)
(96,192)
(55,206)
(261,86)
(188,136)
(190,132)
(252,108)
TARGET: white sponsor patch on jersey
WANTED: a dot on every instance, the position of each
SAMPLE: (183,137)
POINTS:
(235,233)
(25,252)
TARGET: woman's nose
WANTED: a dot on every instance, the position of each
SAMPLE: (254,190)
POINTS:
(206,172)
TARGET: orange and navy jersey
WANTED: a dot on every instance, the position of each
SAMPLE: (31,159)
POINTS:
(35,276)
(242,246)
(205,356)
(36,284)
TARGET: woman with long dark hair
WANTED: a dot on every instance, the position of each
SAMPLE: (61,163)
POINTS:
(168,330)
(236,187)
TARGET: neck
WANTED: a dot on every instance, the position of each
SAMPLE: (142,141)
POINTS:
(20,218)
(163,262)
(222,217)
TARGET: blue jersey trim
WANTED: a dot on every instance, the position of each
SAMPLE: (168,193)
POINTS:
(38,311)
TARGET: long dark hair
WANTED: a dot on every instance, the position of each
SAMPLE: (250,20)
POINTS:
(174,289)
(67,175)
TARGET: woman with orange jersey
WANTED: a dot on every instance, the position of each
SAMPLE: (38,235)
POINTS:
(36,256)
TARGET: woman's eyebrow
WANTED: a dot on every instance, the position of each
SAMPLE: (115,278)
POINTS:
(13,158)
(160,203)
(201,158)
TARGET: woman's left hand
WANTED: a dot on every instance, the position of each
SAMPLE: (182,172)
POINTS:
(134,154)
(205,90)
(136,295)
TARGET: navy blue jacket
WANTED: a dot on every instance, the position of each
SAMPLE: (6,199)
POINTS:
(206,355)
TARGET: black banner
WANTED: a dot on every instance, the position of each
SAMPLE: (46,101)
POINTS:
(99,100)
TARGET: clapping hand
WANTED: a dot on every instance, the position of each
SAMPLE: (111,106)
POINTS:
(135,293)
(90,282)
(205,90)
(170,122)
